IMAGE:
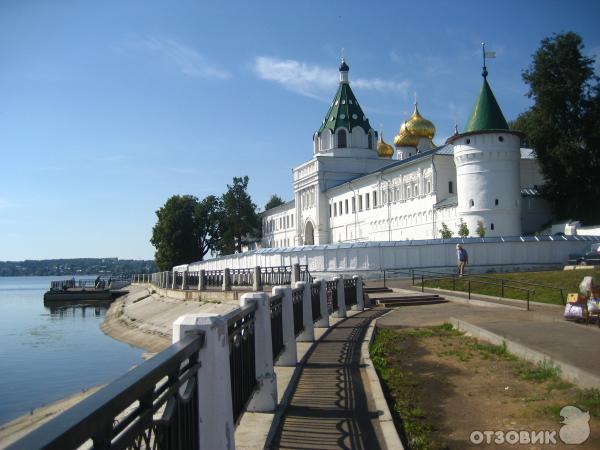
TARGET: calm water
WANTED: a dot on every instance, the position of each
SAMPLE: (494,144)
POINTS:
(46,355)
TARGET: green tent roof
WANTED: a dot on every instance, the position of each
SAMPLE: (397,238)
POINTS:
(486,114)
(345,110)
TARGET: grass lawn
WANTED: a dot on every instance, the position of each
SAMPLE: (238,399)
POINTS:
(568,280)
(442,385)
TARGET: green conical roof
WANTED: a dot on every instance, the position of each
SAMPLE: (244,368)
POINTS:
(345,110)
(486,114)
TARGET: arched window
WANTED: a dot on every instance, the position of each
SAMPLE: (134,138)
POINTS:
(472,203)
(492,226)
(496,202)
(370,140)
(342,139)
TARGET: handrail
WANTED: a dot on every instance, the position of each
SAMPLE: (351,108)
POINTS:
(98,416)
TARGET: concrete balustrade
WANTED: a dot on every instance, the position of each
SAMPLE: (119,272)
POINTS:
(308,334)
(289,356)
(341,312)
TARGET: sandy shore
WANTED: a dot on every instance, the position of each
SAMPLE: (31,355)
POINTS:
(142,318)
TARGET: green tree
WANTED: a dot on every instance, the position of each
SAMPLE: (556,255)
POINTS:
(174,235)
(207,224)
(445,231)
(480,229)
(562,125)
(239,219)
(463,230)
(273,202)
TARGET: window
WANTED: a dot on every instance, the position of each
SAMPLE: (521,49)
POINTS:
(342,138)
(367,205)
(384,197)
(492,226)
(370,140)
(428,187)
(468,141)
(496,202)
(330,210)
(450,188)
(500,138)
(346,206)
(408,192)
(471,203)
(360,202)
(292,220)
(416,190)
(335,209)
(374,199)
(340,208)
(353,204)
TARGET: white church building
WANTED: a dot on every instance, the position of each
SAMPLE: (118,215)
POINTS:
(358,188)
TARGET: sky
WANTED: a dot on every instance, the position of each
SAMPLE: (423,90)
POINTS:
(109,108)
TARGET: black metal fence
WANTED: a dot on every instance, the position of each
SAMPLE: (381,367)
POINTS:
(315,299)
(350,292)
(298,310)
(213,278)
(332,296)
(242,277)
(276,305)
(152,406)
(275,276)
(241,358)
(192,280)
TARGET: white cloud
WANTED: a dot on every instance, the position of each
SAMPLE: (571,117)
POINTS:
(315,81)
(187,60)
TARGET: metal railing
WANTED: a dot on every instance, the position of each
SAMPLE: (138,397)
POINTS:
(297,295)
(350,291)
(152,406)
(192,280)
(100,282)
(275,276)
(469,282)
(332,297)
(315,299)
(276,307)
(213,278)
(241,357)
(242,277)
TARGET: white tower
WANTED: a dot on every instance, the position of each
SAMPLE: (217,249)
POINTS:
(487,157)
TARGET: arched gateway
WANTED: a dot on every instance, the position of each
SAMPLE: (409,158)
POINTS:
(309,234)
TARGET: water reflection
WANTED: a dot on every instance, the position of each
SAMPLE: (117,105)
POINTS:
(81,309)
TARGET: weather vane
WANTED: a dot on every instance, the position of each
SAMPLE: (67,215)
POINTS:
(486,55)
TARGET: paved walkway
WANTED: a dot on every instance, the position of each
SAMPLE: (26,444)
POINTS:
(330,407)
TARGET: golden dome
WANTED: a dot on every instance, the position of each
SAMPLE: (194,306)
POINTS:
(405,138)
(420,127)
(384,150)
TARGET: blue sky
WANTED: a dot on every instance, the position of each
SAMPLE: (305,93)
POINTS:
(108,108)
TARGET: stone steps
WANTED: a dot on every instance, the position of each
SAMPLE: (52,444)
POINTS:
(409,300)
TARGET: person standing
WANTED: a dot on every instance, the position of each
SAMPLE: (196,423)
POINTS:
(463,258)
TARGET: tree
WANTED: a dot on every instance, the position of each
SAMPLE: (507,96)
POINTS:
(208,224)
(480,229)
(239,219)
(445,231)
(562,125)
(273,202)
(174,235)
(463,230)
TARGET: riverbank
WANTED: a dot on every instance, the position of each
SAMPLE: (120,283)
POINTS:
(142,318)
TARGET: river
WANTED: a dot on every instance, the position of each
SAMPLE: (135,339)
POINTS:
(46,354)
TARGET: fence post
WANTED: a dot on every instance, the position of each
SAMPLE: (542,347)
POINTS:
(341,313)
(184,280)
(226,280)
(360,300)
(215,410)
(264,398)
(502,284)
(308,335)
(422,283)
(174,280)
(289,356)
(201,280)
(323,322)
(469,284)
(295,274)
(257,282)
